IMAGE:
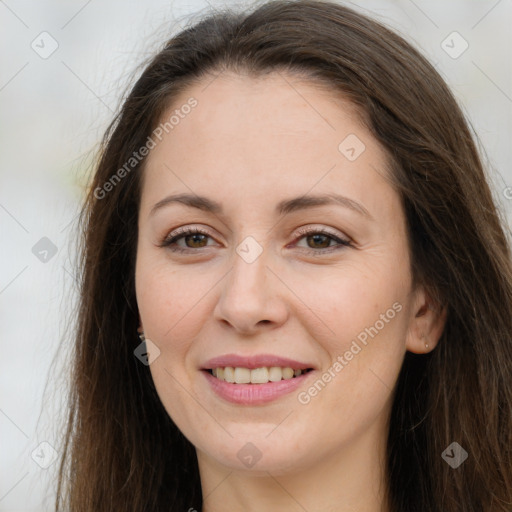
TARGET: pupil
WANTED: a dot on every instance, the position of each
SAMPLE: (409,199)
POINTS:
(325,237)
(195,239)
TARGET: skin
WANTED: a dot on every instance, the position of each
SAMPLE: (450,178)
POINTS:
(249,144)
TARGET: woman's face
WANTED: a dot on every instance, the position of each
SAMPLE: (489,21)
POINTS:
(281,275)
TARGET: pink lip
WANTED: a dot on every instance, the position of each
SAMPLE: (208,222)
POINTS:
(256,361)
(254,394)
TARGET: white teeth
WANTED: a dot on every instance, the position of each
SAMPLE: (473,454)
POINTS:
(229,374)
(242,375)
(275,374)
(287,373)
(261,375)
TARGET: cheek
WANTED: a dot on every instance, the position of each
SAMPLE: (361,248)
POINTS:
(343,300)
(168,300)
(363,310)
(169,304)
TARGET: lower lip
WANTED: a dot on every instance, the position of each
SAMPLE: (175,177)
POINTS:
(254,394)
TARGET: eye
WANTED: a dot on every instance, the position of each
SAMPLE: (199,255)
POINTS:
(196,237)
(319,240)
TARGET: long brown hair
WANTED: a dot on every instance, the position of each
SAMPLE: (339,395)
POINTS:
(122,451)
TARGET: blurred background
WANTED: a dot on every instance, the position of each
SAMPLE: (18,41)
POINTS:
(64,68)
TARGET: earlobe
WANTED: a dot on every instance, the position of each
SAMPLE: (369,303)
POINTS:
(426,326)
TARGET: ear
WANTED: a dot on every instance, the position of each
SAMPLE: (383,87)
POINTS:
(140,329)
(427,323)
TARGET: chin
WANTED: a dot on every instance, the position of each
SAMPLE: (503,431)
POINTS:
(260,456)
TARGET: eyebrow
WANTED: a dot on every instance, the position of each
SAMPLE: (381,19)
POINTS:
(284,207)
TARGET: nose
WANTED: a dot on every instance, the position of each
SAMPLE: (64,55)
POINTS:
(251,297)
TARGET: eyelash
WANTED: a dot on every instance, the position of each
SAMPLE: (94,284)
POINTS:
(170,240)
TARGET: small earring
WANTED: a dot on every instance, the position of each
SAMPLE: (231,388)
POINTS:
(426,345)
(141,336)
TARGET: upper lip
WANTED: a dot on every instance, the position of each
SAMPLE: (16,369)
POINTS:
(254,361)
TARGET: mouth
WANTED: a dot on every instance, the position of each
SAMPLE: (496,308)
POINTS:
(255,379)
(261,375)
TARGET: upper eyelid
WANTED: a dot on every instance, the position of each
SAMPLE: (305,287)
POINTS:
(300,233)
(325,230)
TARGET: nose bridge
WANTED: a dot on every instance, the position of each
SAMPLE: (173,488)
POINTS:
(248,295)
(248,278)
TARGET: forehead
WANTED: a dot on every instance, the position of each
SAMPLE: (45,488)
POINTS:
(268,137)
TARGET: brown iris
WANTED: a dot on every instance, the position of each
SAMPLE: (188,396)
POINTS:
(317,237)
(196,237)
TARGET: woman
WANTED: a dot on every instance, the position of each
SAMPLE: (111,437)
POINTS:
(290,211)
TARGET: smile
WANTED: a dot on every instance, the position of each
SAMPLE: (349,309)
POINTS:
(263,375)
